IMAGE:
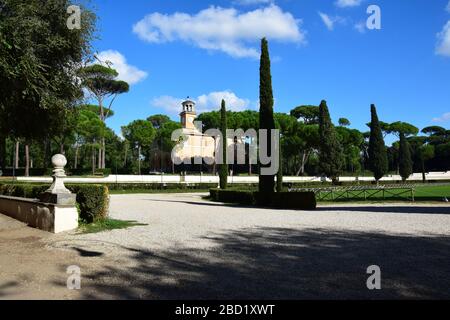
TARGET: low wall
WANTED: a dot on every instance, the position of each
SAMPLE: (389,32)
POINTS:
(44,216)
(168,179)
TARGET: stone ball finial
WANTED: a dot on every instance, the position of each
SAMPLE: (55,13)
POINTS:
(59,161)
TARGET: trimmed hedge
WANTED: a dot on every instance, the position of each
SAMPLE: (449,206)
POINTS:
(280,200)
(93,200)
(232,196)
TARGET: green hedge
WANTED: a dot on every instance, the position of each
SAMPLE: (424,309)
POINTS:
(233,196)
(281,200)
(93,200)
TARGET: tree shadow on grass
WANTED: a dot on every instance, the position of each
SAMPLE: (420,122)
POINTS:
(279,263)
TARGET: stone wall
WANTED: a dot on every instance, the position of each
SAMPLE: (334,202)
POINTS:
(48,217)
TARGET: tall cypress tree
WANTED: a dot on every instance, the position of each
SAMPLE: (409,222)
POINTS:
(330,155)
(378,160)
(266,119)
(223,170)
(404,158)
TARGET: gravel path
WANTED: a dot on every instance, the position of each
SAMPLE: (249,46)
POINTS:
(192,248)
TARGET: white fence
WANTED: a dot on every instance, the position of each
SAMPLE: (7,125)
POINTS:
(167,179)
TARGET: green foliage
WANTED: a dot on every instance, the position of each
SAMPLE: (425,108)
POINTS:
(434,131)
(158,120)
(308,114)
(377,150)
(164,134)
(223,169)
(344,122)
(330,149)
(37,55)
(139,132)
(266,118)
(404,128)
(93,200)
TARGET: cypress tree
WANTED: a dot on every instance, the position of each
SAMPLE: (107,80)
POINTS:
(378,160)
(266,119)
(223,170)
(404,158)
(330,156)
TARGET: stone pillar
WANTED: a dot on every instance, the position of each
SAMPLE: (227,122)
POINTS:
(58,193)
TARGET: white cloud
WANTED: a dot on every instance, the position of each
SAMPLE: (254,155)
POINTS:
(443,45)
(444,118)
(127,72)
(330,21)
(448,7)
(252,2)
(219,29)
(348,3)
(204,103)
(360,27)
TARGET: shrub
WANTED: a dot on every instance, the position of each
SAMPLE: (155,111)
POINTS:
(294,200)
(93,200)
(233,196)
(281,200)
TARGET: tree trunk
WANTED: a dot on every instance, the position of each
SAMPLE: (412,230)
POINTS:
(126,155)
(46,152)
(2,152)
(139,160)
(99,165)
(77,148)
(103,153)
(61,148)
(27,160)
(424,178)
(16,158)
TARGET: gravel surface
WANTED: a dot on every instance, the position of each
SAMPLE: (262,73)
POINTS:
(194,249)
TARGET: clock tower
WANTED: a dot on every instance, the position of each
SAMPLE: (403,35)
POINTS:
(188,114)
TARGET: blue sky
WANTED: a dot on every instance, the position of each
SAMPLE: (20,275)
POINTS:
(320,49)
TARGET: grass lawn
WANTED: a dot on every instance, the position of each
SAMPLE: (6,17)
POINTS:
(108,224)
(426,193)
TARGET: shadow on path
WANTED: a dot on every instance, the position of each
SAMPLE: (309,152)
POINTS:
(280,263)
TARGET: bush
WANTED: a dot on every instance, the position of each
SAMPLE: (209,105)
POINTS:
(280,200)
(233,196)
(93,200)
(294,200)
